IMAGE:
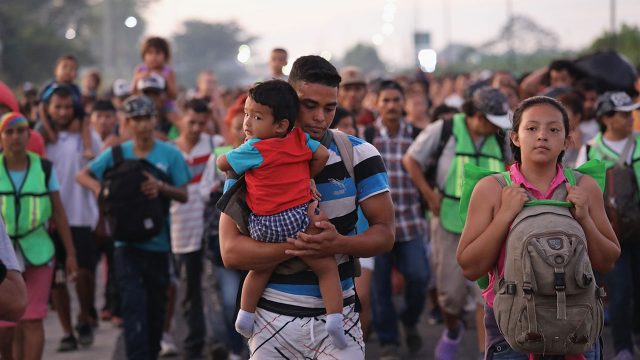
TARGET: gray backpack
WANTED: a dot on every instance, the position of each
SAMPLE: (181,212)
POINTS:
(547,301)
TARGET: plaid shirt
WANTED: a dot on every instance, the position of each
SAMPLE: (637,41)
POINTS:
(410,220)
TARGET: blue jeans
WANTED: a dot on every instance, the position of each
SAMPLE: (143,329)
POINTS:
(228,282)
(143,278)
(621,282)
(502,351)
(411,260)
(189,268)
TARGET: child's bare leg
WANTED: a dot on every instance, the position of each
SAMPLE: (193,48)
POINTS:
(326,270)
(85,132)
(252,289)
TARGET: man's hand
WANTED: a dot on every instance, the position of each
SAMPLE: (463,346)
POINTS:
(319,239)
(151,188)
(434,203)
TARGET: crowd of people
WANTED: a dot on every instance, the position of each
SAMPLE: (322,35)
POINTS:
(151,181)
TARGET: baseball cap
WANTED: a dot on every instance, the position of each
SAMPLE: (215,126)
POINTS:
(615,101)
(121,87)
(352,75)
(493,104)
(138,105)
(152,82)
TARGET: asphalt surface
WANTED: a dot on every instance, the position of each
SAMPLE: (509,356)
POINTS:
(109,344)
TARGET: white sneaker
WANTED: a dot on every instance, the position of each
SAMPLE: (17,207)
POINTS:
(168,346)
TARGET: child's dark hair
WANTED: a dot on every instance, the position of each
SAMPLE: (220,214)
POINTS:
(67,57)
(103,105)
(390,85)
(531,102)
(157,43)
(316,70)
(280,97)
(197,106)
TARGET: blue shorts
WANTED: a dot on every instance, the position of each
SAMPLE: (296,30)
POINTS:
(277,228)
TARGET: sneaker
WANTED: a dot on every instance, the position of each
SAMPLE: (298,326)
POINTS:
(624,355)
(68,343)
(447,348)
(435,316)
(85,334)
(413,338)
(168,346)
(389,352)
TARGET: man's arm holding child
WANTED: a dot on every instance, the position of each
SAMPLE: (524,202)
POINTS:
(318,161)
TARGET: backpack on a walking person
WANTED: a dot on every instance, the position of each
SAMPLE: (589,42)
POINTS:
(547,301)
(131,215)
(621,197)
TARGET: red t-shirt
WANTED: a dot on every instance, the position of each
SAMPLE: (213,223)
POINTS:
(276,171)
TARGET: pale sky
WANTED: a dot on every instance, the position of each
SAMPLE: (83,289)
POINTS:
(311,27)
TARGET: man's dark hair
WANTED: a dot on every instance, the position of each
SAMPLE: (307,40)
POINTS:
(280,97)
(198,106)
(157,43)
(314,69)
(562,64)
(103,105)
(390,85)
(572,101)
(62,91)
(442,109)
(586,85)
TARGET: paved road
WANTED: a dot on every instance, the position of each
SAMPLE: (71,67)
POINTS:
(108,344)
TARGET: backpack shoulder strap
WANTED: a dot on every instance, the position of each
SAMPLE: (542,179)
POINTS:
(415,131)
(501,178)
(47,167)
(588,150)
(345,147)
(445,134)
(117,154)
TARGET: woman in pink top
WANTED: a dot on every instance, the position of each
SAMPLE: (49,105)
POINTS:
(539,136)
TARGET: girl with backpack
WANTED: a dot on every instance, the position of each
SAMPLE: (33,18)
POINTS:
(539,136)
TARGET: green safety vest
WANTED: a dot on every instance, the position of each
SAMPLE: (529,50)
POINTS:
(599,150)
(490,156)
(26,213)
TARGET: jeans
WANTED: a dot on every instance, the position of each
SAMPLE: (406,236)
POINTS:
(143,278)
(228,282)
(502,351)
(189,269)
(411,260)
(621,282)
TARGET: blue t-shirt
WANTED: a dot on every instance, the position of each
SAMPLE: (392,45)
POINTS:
(168,159)
(17,178)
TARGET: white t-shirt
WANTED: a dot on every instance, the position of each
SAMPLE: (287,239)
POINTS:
(79,203)
(187,220)
(617,146)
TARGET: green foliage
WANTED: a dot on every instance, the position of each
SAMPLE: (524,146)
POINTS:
(206,46)
(626,41)
(32,37)
(365,57)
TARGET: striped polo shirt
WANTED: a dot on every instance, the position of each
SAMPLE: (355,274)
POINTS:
(340,193)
